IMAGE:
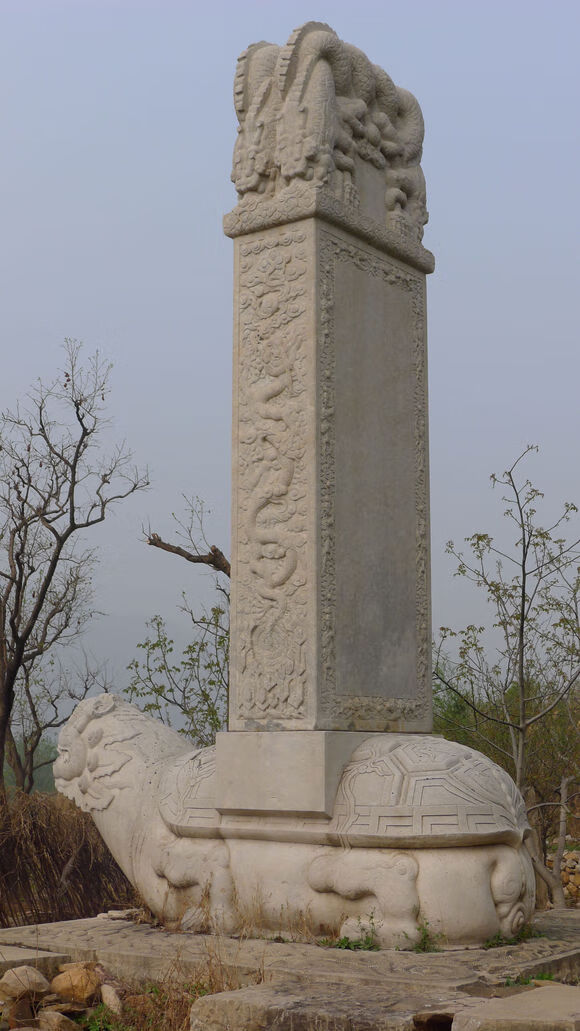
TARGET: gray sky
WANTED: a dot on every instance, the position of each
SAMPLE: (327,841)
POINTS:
(117,127)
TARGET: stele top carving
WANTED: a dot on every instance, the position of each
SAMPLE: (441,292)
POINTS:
(318,111)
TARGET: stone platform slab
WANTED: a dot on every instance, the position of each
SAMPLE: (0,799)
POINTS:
(298,987)
(554,1007)
(47,962)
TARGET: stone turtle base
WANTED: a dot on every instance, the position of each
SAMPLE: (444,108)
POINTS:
(309,987)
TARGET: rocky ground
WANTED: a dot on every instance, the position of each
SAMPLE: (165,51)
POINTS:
(29,1000)
(254,985)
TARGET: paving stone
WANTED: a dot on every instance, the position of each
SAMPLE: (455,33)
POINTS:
(46,961)
(290,1008)
(553,1007)
(309,987)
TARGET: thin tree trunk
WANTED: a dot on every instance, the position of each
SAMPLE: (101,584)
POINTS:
(558,897)
(554,883)
(4,724)
(14,760)
(535,845)
(520,759)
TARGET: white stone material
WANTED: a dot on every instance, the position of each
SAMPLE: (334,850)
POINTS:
(110,998)
(330,616)
(324,132)
(326,808)
(301,769)
(422,829)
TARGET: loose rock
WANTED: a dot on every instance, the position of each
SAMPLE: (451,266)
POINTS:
(62,1006)
(111,999)
(52,1020)
(23,980)
(79,982)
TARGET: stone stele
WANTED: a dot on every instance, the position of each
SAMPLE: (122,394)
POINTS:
(326,808)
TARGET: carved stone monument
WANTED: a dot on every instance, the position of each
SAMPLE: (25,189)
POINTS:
(326,805)
(330,627)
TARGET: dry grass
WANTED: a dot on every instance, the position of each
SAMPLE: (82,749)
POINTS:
(165,1005)
(256,919)
(54,864)
(158,1007)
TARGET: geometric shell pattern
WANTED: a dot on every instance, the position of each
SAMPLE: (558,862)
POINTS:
(398,790)
(412,790)
(418,791)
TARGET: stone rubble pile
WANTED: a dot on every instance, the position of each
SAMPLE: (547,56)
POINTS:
(29,1001)
(570,875)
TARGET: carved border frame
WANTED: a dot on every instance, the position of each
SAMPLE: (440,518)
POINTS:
(271,265)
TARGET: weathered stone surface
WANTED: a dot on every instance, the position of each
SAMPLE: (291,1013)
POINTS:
(325,132)
(291,1007)
(73,1009)
(78,982)
(46,962)
(314,306)
(329,428)
(415,808)
(435,982)
(303,769)
(53,1020)
(110,998)
(23,980)
(128,949)
(550,1008)
(288,1007)
(310,823)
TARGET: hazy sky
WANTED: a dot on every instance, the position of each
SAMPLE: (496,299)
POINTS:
(117,129)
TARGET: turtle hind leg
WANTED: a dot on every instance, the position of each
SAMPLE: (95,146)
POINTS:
(384,880)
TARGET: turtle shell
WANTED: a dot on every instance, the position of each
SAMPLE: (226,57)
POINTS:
(423,791)
(397,791)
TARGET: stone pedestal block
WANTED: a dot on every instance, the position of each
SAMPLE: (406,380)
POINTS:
(296,772)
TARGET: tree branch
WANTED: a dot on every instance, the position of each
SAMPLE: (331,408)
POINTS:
(216,558)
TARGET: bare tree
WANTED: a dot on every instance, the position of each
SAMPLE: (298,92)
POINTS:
(42,704)
(55,484)
(191,531)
